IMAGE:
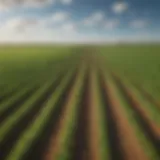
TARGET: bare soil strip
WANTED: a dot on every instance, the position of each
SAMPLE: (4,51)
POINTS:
(149,127)
(128,143)
(80,147)
(16,105)
(10,138)
(94,130)
(113,138)
(54,148)
(39,146)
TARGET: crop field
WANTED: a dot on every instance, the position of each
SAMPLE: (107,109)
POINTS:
(80,102)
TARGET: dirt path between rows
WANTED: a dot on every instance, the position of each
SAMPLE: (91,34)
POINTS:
(12,136)
(149,127)
(80,148)
(38,149)
(54,148)
(16,105)
(94,129)
(129,146)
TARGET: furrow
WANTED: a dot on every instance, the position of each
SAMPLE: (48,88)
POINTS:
(128,145)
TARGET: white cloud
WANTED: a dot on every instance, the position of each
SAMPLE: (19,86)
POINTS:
(67,34)
(60,17)
(139,23)
(94,19)
(69,27)
(119,7)
(36,29)
(19,24)
(22,23)
(38,34)
(66,2)
(111,24)
(8,4)
(57,35)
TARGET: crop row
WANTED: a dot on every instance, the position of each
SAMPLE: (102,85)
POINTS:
(82,113)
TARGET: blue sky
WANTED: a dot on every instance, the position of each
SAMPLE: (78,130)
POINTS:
(79,20)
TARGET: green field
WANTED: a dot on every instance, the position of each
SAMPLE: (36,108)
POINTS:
(139,63)
(80,102)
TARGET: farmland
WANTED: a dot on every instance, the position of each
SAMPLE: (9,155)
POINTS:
(80,102)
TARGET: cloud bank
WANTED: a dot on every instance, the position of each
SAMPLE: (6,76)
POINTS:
(120,7)
(60,26)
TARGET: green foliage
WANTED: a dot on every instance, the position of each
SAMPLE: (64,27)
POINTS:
(139,63)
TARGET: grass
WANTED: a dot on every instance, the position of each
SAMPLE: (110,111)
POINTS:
(139,63)
(6,104)
(71,120)
(28,63)
(151,109)
(13,119)
(147,146)
(36,127)
(24,67)
(103,139)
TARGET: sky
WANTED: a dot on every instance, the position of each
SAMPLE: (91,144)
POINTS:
(79,21)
